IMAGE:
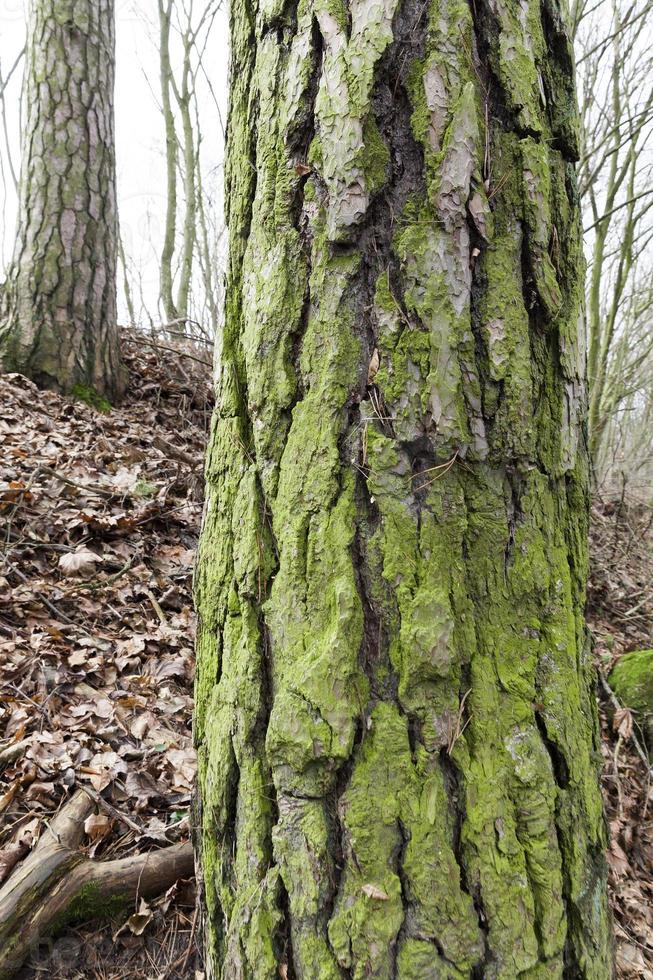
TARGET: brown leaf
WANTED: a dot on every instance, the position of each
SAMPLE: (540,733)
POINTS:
(97,826)
(618,859)
(8,796)
(44,792)
(143,787)
(10,855)
(622,723)
(183,763)
(631,962)
(139,921)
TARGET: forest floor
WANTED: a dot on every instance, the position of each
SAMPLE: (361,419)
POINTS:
(99,519)
(620,616)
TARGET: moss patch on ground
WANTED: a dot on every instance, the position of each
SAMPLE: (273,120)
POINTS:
(632,681)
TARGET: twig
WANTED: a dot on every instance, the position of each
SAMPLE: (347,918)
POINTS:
(96,586)
(160,515)
(167,447)
(171,350)
(87,487)
(179,322)
(620,799)
(39,595)
(46,545)
(112,811)
(182,959)
(190,941)
(157,608)
(641,752)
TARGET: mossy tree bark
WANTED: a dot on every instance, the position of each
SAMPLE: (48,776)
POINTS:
(395,708)
(58,308)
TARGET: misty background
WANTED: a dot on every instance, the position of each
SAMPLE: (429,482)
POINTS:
(140,135)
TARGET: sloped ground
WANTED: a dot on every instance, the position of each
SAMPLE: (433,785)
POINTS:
(620,615)
(99,517)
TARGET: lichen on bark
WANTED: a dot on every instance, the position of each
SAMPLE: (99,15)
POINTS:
(395,723)
(58,304)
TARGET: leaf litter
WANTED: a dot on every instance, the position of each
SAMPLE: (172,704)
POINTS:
(620,616)
(99,519)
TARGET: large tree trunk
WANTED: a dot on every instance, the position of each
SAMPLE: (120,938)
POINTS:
(58,310)
(395,708)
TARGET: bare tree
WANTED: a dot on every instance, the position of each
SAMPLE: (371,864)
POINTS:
(9,86)
(179,19)
(616,181)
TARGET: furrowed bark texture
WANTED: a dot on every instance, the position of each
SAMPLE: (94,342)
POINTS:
(395,712)
(58,308)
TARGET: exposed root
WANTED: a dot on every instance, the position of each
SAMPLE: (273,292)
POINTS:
(57,884)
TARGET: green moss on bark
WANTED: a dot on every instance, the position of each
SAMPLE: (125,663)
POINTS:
(395,717)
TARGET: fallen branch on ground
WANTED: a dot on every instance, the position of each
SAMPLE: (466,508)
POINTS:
(57,884)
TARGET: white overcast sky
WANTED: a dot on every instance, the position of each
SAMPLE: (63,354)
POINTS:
(139,125)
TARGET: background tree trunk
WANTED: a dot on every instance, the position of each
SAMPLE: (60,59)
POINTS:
(172,156)
(58,313)
(395,706)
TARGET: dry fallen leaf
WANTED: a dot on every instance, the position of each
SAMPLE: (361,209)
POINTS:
(11,854)
(617,858)
(631,962)
(623,723)
(373,891)
(138,922)
(78,562)
(8,796)
(97,826)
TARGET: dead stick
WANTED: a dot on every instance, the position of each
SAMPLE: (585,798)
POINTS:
(39,595)
(57,884)
(157,608)
(615,703)
(86,487)
(191,940)
(111,810)
(171,350)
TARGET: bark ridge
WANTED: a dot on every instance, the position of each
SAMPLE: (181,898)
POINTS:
(396,723)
